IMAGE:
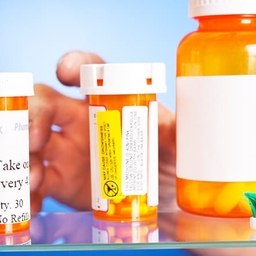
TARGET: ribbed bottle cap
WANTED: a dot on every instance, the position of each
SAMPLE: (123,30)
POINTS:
(221,7)
(14,84)
(124,78)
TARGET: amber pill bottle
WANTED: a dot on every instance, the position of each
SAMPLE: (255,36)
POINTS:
(14,152)
(216,92)
(123,115)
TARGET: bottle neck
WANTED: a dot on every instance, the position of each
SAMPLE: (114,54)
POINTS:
(227,23)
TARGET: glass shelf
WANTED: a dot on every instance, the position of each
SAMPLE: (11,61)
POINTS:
(76,231)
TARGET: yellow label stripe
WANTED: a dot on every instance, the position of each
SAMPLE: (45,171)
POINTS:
(110,139)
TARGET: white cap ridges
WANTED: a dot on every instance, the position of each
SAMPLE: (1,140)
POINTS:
(221,7)
(14,84)
(123,78)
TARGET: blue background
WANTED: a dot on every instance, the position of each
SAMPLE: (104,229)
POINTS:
(34,34)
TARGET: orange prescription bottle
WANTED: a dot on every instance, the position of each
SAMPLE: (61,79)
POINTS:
(14,152)
(123,114)
(216,92)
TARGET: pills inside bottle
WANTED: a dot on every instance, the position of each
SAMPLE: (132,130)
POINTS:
(124,138)
(216,74)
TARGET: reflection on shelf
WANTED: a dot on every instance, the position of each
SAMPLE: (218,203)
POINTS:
(177,226)
(16,239)
(81,227)
(195,228)
(61,228)
(124,232)
(175,229)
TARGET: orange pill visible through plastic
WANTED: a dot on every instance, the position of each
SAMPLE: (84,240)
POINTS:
(215,86)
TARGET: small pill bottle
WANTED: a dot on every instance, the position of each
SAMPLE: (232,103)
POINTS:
(14,152)
(215,96)
(123,117)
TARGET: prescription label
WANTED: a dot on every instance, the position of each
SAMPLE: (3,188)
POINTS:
(134,150)
(110,153)
(153,186)
(98,203)
(124,153)
(216,128)
(14,167)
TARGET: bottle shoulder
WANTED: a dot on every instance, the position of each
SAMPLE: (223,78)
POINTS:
(218,42)
(194,37)
(217,53)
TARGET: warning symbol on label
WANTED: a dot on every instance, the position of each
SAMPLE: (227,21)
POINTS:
(111,188)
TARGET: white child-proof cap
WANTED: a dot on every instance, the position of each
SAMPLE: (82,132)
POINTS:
(221,7)
(123,78)
(14,84)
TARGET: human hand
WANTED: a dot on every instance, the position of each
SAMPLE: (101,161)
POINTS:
(65,174)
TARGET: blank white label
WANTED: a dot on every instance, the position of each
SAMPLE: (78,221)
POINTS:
(216,128)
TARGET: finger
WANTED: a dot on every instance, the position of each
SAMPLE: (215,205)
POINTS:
(167,159)
(69,112)
(67,168)
(49,107)
(41,113)
(167,134)
(36,171)
(68,68)
(36,201)
(79,198)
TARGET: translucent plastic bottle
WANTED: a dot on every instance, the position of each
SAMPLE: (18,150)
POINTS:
(124,138)
(216,106)
(14,152)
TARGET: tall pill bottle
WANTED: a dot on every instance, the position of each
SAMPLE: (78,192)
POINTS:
(14,152)
(216,106)
(123,114)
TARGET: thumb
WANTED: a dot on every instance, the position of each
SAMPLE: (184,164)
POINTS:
(68,68)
